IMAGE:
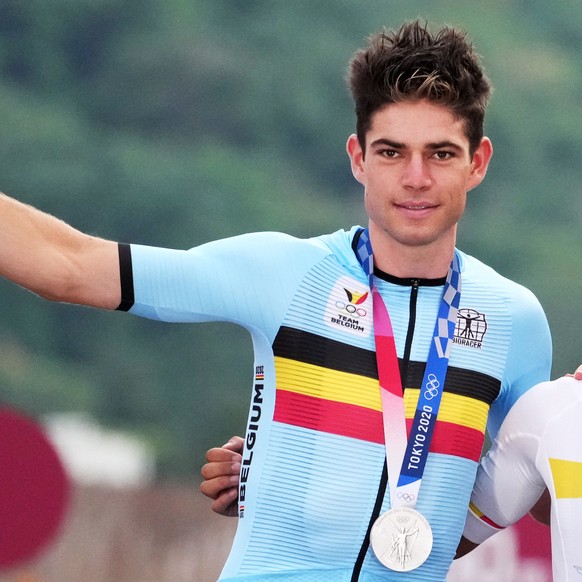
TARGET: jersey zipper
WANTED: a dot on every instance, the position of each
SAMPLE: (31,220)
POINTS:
(404,366)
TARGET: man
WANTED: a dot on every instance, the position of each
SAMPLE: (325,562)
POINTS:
(319,483)
(537,447)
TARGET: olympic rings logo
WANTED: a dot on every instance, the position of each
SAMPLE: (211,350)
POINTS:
(351,309)
(406,497)
(432,387)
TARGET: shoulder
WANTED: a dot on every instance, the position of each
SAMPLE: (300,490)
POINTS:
(248,252)
(490,283)
(475,271)
(279,241)
(337,244)
(546,403)
(553,396)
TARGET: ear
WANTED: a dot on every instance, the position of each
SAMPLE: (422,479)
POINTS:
(356,159)
(480,162)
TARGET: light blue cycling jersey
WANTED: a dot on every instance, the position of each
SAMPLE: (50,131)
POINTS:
(313,477)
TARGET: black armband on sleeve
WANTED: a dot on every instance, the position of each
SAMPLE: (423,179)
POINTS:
(126,276)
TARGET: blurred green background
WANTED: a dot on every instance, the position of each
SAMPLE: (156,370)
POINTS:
(172,122)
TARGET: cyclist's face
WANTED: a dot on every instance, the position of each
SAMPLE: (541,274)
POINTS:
(416,172)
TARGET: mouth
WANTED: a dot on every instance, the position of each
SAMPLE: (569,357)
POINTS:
(415,206)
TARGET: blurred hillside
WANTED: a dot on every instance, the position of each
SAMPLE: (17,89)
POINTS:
(171,123)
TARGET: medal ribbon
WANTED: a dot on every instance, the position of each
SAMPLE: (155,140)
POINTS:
(406,457)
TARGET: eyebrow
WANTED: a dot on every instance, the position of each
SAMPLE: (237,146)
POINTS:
(401,146)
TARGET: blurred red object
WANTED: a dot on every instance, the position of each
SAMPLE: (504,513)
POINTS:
(34,489)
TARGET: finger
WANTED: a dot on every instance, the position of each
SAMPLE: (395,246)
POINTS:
(218,469)
(221,455)
(226,504)
(577,374)
(235,444)
(214,488)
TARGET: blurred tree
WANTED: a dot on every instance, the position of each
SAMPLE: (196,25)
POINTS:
(175,122)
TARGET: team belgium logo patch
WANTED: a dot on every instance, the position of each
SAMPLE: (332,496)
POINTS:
(349,307)
(470,328)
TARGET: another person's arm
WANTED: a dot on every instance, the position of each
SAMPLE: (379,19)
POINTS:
(54,260)
(221,477)
(508,483)
(540,512)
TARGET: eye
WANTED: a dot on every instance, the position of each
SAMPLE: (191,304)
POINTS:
(443,155)
(388,153)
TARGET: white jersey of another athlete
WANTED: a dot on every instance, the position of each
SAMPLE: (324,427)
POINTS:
(539,445)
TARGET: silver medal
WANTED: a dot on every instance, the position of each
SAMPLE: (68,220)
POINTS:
(401,539)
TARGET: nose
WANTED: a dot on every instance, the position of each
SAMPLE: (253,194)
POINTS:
(416,173)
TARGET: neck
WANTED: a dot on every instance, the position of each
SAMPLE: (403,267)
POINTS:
(430,261)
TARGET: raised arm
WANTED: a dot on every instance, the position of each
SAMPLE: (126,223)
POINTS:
(54,260)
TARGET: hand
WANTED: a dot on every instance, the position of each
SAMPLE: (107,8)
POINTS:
(577,374)
(221,476)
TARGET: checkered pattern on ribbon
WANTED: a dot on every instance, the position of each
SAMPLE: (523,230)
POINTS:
(447,317)
(365,256)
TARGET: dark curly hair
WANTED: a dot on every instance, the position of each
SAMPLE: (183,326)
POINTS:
(411,64)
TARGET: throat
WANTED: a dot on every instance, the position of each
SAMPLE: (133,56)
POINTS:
(412,265)
(431,261)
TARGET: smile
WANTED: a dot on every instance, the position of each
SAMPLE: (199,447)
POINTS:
(415,206)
